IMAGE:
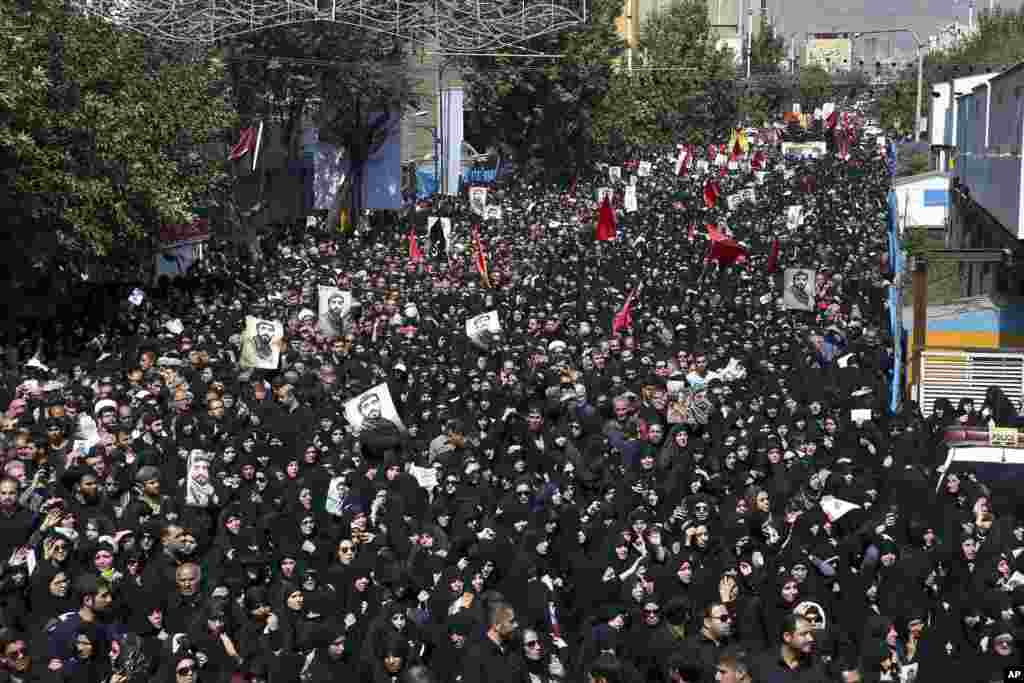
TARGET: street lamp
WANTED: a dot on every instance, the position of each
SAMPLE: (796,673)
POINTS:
(920,69)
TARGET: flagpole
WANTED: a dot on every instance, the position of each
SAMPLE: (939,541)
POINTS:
(256,151)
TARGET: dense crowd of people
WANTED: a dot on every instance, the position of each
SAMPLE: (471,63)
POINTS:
(672,489)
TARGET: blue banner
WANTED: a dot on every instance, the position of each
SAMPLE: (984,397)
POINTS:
(382,182)
(896,264)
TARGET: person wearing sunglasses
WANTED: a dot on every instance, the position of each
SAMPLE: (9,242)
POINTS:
(186,670)
(716,633)
(541,666)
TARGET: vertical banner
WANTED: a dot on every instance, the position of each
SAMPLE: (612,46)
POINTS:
(896,306)
(382,181)
(451,107)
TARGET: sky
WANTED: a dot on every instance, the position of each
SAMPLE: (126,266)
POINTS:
(820,16)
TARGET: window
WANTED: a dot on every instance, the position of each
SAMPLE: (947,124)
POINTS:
(936,198)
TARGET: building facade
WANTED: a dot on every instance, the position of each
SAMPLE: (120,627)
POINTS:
(987,207)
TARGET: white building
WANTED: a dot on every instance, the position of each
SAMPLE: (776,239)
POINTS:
(942,117)
(922,201)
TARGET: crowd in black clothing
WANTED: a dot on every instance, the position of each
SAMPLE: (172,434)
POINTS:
(686,499)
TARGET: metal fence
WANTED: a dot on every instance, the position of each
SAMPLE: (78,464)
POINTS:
(968,374)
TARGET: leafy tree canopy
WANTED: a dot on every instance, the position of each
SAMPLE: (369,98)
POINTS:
(682,90)
(101,134)
(541,111)
(333,75)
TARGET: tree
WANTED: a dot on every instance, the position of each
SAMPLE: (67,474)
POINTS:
(100,138)
(540,112)
(767,50)
(815,86)
(682,90)
(897,108)
(352,84)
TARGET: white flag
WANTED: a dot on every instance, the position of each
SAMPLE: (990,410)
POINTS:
(835,508)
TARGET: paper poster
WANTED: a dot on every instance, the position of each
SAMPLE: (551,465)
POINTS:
(482,328)
(615,174)
(310,221)
(478,200)
(339,497)
(372,410)
(733,201)
(721,159)
(860,415)
(733,165)
(629,201)
(334,305)
(262,341)
(643,169)
(493,212)
(794,216)
(426,477)
(604,192)
(908,672)
(199,491)
(703,166)
(446,232)
(798,289)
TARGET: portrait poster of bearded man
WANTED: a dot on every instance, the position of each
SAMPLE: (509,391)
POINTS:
(334,307)
(798,289)
(483,329)
(373,410)
(261,343)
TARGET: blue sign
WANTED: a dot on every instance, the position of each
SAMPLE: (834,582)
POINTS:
(936,198)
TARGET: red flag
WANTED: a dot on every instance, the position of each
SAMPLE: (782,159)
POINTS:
(693,232)
(710,194)
(605,222)
(758,160)
(481,258)
(415,255)
(712,153)
(832,119)
(843,144)
(724,250)
(246,143)
(624,318)
(773,256)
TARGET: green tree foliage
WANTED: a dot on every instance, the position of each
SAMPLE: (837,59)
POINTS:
(815,87)
(896,110)
(681,91)
(998,40)
(100,134)
(540,112)
(767,50)
(335,75)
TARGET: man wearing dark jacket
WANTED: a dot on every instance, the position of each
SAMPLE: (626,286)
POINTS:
(492,660)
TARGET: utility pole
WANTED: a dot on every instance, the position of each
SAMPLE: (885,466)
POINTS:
(919,280)
(750,36)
